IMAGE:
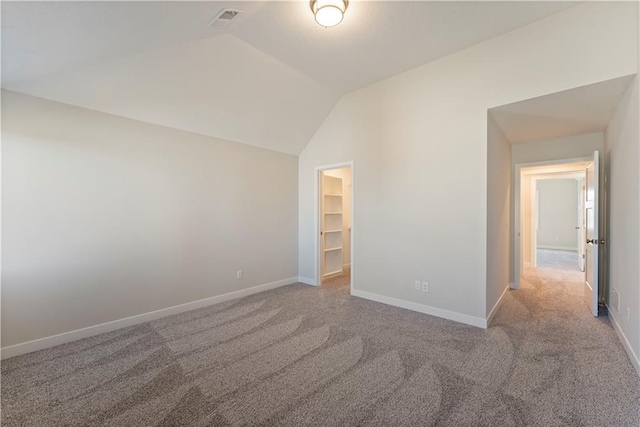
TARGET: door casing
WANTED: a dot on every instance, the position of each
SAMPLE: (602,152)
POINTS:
(517,262)
(317,219)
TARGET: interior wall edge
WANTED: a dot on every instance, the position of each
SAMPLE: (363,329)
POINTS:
(497,305)
(422,308)
(307,281)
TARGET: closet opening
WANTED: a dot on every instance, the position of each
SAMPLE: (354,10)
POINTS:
(334,226)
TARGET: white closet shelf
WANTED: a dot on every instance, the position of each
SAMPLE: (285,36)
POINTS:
(333,231)
(333,249)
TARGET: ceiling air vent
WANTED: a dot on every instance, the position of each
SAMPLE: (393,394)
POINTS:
(222,19)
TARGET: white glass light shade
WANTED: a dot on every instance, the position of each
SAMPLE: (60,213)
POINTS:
(329,13)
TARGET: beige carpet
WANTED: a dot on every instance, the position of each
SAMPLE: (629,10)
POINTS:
(341,281)
(315,356)
(558,260)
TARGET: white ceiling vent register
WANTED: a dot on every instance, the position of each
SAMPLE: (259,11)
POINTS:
(222,19)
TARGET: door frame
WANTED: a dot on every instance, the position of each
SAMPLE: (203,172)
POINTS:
(582,223)
(517,266)
(317,220)
(535,220)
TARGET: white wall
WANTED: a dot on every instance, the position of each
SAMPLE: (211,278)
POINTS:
(418,141)
(345,174)
(106,217)
(623,223)
(568,147)
(558,214)
(498,213)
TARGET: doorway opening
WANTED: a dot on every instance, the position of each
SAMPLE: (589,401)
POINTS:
(550,131)
(334,263)
(556,212)
(553,217)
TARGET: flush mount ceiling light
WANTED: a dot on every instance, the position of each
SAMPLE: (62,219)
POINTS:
(329,13)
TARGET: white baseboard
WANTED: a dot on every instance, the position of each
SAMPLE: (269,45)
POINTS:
(66,337)
(558,248)
(635,360)
(421,308)
(306,281)
(498,303)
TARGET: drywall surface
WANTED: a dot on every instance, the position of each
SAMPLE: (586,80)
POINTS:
(106,217)
(219,86)
(569,147)
(558,214)
(623,221)
(345,174)
(498,213)
(419,145)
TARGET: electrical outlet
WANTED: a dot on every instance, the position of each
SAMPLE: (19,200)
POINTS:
(239,274)
(628,315)
(417,285)
(425,286)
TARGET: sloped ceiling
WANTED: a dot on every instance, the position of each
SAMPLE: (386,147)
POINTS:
(577,111)
(269,79)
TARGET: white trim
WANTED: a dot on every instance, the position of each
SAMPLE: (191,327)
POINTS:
(66,337)
(517,258)
(497,304)
(558,248)
(421,308)
(535,221)
(316,219)
(635,360)
(307,281)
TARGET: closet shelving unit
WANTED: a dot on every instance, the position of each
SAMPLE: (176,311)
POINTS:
(331,225)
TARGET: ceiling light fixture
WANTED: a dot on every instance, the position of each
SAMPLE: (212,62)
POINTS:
(329,13)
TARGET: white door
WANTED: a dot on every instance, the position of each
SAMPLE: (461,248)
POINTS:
(580,228)
(592,236)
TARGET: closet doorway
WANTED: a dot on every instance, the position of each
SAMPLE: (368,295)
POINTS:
(334,230)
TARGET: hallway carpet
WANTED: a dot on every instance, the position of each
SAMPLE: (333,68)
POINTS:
(560,260)
(301,355)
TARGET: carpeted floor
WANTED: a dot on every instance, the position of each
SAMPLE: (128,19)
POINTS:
(301,355)
(343,280)
(559,260)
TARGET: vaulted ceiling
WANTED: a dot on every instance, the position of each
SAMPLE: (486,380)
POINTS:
(268,79)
